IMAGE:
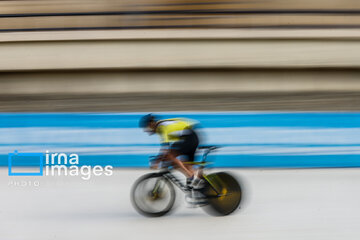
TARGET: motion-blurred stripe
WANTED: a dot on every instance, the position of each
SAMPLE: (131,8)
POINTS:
(73,15)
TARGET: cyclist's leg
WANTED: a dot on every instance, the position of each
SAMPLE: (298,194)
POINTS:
(191,147)
(173,156)
(187,146)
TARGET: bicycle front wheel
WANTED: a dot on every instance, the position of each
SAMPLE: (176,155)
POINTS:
(153,195)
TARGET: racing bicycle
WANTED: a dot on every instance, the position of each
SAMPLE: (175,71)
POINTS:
(153,194)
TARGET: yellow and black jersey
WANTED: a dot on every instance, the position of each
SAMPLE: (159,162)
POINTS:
(171,130)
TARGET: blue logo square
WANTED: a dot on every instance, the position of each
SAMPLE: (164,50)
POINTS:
(16,158)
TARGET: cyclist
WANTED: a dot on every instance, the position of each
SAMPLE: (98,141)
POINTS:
(178,138)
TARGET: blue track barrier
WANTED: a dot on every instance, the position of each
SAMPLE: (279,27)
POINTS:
(248,139)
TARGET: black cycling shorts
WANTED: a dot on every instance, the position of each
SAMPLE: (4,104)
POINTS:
(187,145)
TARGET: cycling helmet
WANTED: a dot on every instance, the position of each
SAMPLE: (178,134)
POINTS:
(145,120)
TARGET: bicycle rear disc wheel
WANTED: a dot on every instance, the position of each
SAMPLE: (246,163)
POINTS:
(153,195)
(227,197)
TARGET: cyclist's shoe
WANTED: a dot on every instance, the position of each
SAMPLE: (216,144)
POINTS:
(198,184)
(195,183)
(195,197)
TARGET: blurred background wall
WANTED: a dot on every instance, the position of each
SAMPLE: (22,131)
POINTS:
(179,55)
(89,14)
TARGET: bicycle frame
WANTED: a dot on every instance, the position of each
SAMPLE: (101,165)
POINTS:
(168,175)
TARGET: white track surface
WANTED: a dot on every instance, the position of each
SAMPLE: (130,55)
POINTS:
(280,204)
